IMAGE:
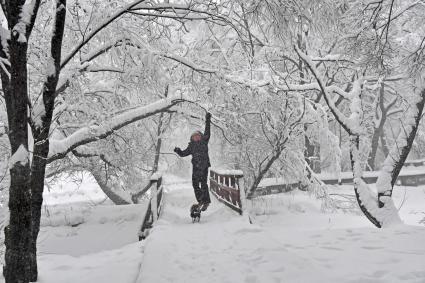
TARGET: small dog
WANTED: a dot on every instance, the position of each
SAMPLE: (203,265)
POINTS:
(195,212)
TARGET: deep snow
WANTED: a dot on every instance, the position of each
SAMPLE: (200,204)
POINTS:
(87,239)
(291,240)
(84,238)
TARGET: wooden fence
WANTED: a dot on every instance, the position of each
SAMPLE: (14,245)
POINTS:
(276,189)
(409,176)
(155,206)
(225,186)
(413,176)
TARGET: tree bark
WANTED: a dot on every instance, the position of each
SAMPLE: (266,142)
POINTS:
(263,170)
(357,177)
(375,144)
(379,129)
(41,135)
(17,233)
(410,138)
(384,144)
(311,155)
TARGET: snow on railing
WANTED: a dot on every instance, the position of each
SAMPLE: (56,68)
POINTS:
(269,186)
(155,206)
(225,186)
(413,175)
(415,162)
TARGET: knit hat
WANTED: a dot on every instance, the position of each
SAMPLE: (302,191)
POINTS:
(194,134)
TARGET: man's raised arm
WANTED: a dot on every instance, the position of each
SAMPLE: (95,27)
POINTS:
(207,132)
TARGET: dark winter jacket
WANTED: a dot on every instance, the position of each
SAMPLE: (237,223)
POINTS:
(199,150)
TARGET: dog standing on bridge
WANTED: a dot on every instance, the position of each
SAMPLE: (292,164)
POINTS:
(198,148)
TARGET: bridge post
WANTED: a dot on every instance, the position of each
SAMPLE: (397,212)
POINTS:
(154,206)
(154,201)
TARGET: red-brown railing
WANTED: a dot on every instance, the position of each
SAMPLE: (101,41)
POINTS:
(154,206)
(225,185)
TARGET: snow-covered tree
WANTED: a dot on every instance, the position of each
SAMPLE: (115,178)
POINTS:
(52,50)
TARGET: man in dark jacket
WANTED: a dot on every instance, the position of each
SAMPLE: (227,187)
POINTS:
(198,148)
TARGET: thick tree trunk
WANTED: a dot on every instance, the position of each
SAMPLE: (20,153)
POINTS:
(384,212)
(18,232)
(38,171)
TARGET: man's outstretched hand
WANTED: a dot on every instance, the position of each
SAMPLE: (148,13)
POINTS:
(177,150)
(208,116)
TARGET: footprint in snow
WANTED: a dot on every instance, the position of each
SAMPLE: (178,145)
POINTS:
(248,230)
(63,267)
(379,273)
(331,248)
(316,236)
(251,279)
(372,248)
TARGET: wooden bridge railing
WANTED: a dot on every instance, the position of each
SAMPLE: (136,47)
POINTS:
(225,186)
(154,207)
(413,176)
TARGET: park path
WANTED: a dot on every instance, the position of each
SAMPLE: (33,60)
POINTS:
(223,247)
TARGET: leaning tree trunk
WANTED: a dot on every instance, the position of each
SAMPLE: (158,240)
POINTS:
(109,192)
(18,232)
(262,172)
(357,178)
(380,208)
(381,211)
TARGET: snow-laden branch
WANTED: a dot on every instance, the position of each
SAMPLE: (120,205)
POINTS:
(97,29)
(217,124)
(171,16)
(252,83)
(161,7)
(96,52)
(378,208)
(23,27)
(186,62)
(182,11)
(60,148)
(96,69)
(331,58)
(350,124)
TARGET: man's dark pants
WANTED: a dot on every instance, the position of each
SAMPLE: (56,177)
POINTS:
(199,183)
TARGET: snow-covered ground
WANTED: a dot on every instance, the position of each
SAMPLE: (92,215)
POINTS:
(86,239)
(291,240)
